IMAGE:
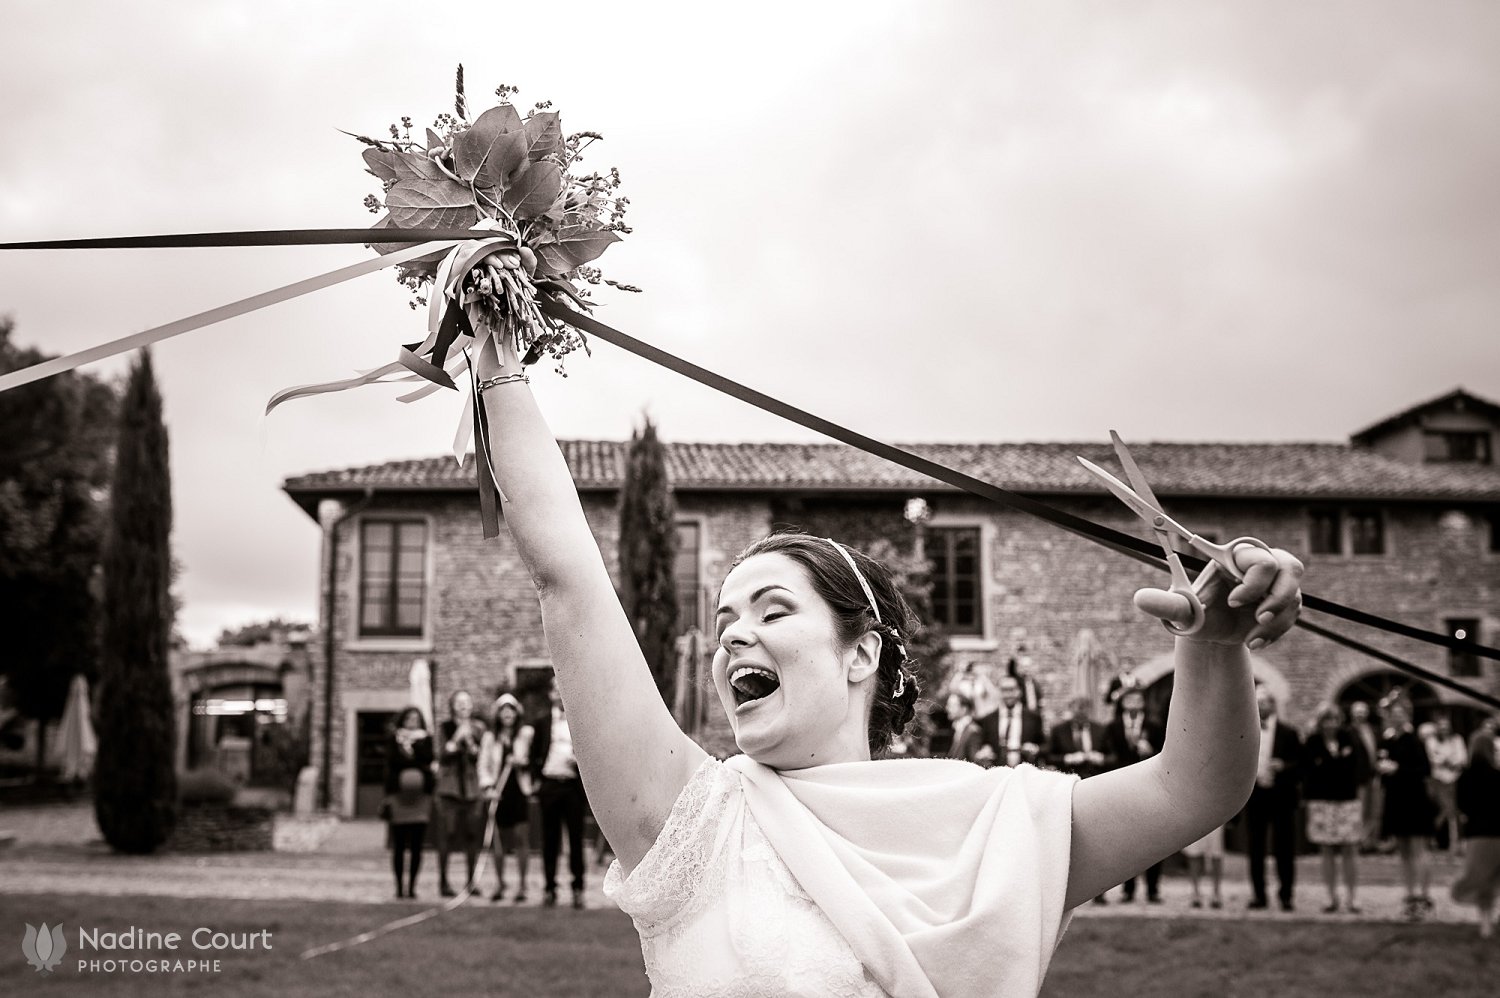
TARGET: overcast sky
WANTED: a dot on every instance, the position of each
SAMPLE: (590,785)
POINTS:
(928,220)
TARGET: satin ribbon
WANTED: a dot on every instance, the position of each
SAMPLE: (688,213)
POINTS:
(60,365)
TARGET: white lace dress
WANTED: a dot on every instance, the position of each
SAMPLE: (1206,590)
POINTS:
(719,913)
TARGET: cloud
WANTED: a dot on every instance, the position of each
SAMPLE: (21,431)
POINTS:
(953,220)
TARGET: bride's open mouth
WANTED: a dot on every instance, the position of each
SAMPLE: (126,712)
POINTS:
(751,683)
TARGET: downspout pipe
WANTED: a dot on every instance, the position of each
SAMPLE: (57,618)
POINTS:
(330,604)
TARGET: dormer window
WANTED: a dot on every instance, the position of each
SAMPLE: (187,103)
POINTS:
(1457,447)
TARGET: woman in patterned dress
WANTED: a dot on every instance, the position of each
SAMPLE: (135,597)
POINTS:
(1333,769)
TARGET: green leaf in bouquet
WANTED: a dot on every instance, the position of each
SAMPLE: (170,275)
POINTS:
(507,158)
(572,247)
(399,166)
(434,141)
(544,135)
(431,204)
(472,147)
(534,190)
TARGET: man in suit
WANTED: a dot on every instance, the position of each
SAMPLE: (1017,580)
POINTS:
(554,772)
(1131,737)
(1019,668)
(1011,733)
(1077,744)
(1272,807)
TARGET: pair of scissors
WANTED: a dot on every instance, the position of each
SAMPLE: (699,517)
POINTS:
(1143,501)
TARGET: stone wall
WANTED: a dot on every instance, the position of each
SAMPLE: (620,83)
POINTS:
(222,828)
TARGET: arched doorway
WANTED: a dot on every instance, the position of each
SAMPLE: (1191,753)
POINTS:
(1155,677)
(1426,702)
(232,709)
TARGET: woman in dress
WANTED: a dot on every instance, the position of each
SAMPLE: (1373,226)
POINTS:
(505,779)
(1479,800)
(408,801)
(1207,853)
(1333,769)
(809,865)
(1408,812)
(460,806)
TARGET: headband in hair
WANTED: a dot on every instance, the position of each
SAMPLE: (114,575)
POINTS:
(870,595)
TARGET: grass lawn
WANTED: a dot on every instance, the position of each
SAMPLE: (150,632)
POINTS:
(536,953)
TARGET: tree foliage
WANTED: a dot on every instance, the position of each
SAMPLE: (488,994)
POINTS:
(136,786)
(258,632)
(56,438)
(648,551)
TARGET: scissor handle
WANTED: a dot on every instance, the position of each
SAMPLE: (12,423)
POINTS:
(1221,558)
(1222,555)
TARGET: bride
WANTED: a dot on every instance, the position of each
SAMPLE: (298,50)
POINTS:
(809,865)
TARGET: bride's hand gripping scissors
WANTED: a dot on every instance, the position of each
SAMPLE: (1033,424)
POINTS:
(1143,501)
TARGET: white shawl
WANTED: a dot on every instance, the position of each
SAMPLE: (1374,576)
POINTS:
(946,879)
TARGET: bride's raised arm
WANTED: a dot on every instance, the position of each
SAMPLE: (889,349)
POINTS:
(633,758)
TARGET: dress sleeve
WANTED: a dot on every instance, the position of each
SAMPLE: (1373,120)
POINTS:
(675,868)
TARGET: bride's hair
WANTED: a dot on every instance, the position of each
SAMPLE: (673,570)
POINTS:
(838,586)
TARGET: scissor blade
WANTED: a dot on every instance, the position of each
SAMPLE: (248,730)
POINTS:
(1142,508)
(1123,492)
(1133,472)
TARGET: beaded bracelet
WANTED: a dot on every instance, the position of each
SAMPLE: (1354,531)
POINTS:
(503,379)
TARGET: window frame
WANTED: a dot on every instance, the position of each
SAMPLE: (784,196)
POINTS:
(357,638)
(1347,513)
(984,638)
(1476,635)
(1485,451)
(701,523)
(1338,532)
(1378,514)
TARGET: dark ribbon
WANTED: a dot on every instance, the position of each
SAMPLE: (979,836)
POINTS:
(1126,544)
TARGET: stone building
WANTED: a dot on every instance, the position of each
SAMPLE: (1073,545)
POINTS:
(1403,521)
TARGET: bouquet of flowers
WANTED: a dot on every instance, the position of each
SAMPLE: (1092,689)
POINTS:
(518,177)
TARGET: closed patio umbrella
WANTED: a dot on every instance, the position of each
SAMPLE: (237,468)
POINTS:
(421,690)
(75,746)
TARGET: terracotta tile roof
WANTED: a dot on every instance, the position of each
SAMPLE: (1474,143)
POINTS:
(1246,470)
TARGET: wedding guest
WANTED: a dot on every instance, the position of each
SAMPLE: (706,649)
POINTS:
(1370,791)
(460,806)
(1020,669)
(961,715)
(1207,854)
(505,778)
(408,801)
(1272,808)
(1478,797)
(1131,738)
(1334,767)
(1012,732)
(560,796)
(1448,755)
(1077,743)
(1408,813)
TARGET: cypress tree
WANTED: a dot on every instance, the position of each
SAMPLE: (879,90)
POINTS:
(648,551)
(135,797)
